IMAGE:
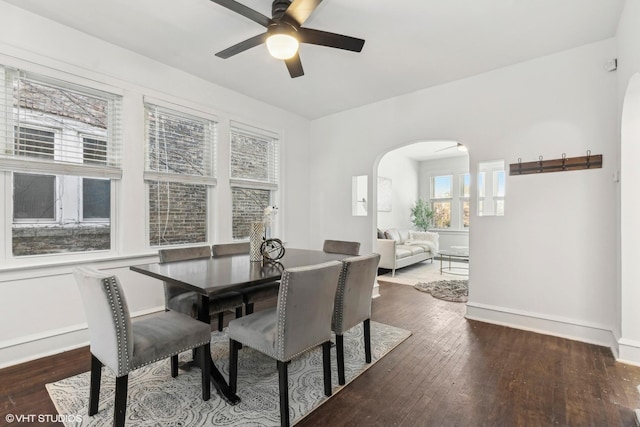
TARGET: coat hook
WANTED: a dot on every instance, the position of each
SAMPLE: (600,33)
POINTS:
(588,159)
(564,161)
(540,163)
(519,165)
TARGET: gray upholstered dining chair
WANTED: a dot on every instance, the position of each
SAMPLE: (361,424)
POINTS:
(184,301)
(300,321)
(341,247)
(124,344)
(353,303)
(252,294)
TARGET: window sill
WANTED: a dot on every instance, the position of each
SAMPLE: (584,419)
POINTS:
(450,230)
(30,270)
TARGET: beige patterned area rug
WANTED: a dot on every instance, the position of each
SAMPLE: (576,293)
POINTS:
(157,399)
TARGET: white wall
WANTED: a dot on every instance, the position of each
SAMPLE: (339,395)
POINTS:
(550,263)
(628,38)
(40,306)
(404,176)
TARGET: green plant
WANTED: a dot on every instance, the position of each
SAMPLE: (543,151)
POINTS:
(421,215)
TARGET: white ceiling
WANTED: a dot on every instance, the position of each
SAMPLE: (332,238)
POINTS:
(410,44)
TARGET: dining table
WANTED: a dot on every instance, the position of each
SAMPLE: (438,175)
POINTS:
(209,277)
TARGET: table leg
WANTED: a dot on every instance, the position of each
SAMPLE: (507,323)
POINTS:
(218,380)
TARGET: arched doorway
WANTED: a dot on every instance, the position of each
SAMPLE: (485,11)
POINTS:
(629,344)
(438,173)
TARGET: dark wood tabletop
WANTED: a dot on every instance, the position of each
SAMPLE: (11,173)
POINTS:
(211,276)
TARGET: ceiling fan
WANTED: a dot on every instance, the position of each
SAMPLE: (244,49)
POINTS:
(285,33)
(460,147)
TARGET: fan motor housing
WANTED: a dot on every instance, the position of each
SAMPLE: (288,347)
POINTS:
(278,8)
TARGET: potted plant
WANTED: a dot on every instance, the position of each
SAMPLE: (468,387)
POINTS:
(421,215)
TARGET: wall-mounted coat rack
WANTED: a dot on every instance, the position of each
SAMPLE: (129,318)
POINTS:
(557,165)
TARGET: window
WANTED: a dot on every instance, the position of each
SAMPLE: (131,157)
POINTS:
(180,149)
(491,188)
(441,197)
(34,142)
(44,124)
(465,186)
(254,177)
(33,197)
(96,199)
(94,151)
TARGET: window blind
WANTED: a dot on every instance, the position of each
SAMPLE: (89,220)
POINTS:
(56,127)
(254,157)
(180,147)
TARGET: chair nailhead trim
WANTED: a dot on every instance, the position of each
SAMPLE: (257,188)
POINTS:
(282,305)
(120,323)
(338,310)
(166,356)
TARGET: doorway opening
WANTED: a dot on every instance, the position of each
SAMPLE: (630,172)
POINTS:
(436,176)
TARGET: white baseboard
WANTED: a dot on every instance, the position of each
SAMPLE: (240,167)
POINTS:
(36,346)
(629,352)
(564,328)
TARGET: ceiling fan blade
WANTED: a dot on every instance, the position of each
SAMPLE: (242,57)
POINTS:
(242,46)
(323,38)
(245,11)
(300,10)
(294,65)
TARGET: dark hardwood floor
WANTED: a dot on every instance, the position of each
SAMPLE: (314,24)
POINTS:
(450,372)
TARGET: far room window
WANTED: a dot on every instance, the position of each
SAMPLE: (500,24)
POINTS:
(498,191)
(43,150)
(180,150)
(254,160)
(465,186)
(441,197)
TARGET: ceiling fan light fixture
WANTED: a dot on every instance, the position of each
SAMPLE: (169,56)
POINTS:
(281,42)
(282,46)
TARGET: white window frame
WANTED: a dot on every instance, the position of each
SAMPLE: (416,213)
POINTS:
(208,176)
(11,163)
(434,199)
(271,183)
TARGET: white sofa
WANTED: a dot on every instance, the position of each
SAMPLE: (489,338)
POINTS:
(401,248)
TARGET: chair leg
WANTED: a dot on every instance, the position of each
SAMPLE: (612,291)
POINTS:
(233,365)
(283,378)
(174,366)
(120,409)
(367,340)
(340,358)
(220,321)
(94,391)
(249,308)
(326,364)
(205,355)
